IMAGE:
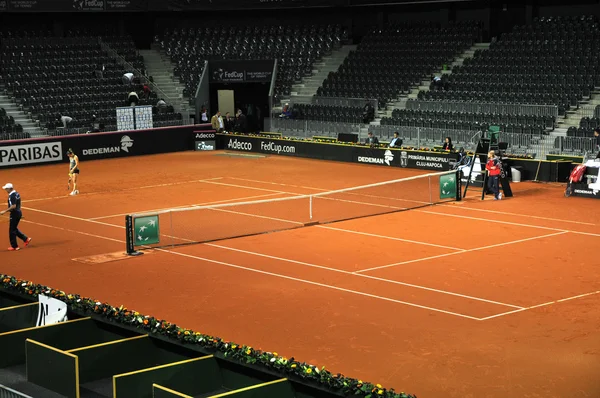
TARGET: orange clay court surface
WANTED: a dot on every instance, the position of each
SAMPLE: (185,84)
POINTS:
(470,299)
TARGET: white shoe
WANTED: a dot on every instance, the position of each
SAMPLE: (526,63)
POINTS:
(73,193)
(500,196)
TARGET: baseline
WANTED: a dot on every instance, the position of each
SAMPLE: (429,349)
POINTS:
(542,305)
(124,190)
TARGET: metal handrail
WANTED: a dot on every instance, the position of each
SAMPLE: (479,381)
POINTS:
(483,107)
(6,392)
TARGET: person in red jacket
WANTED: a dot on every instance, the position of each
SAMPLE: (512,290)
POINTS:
(494,168)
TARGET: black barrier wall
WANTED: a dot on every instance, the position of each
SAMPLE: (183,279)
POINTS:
(94,146)
(345,153)
(545,171)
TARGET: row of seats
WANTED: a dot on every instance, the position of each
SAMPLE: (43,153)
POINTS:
(587,126)
(490,118)
(341,114)
(58,76)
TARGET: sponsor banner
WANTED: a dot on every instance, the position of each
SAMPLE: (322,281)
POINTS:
(43,152)
(584,190)
(345,153)
(383,157)
(205,135)
(224,71)
(181,5)
(206,145)
(72,5)
(147,230)
(100,145)
(448,186)
(426,161)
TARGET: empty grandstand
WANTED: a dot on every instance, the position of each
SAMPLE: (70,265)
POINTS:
(78,76)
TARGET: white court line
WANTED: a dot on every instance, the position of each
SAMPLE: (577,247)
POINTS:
(356,292)
(316,197)
(391,238)
(277,183)
(440,204)
(361,275)
(73,231)
(506,222)
(310,282)
(515,214)
(73,217)
(280,276)
(123,190)
(191,206)
(462,252)
(346,193)
(542,305)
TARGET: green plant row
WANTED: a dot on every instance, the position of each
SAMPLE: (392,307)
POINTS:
(242,353)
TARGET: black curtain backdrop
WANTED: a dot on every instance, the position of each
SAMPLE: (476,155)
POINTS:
(253,95)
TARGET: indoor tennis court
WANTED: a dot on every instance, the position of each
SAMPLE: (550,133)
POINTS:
(460,295)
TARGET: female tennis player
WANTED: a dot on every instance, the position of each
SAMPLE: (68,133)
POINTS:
(73,171)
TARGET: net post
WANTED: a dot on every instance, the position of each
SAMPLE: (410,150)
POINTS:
(457,176)
(129,238)
(310,207)
(430,191)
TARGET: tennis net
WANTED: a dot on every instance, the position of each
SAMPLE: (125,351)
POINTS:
(203,224)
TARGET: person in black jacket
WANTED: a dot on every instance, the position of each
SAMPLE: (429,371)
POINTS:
(597,136)
(372,140)
(241,122)
(448,144)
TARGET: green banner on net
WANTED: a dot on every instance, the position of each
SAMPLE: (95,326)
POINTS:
(146,230)
(448,186)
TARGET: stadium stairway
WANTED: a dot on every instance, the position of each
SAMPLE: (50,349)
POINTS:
(160,68)
(303,92)
(20,117)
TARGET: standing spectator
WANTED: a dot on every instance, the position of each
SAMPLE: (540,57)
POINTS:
(494,168)
(204,115)
(448,144)
(597,135)
(371,140)
(217,122)
(229,123)
(396,141)
(241,122)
